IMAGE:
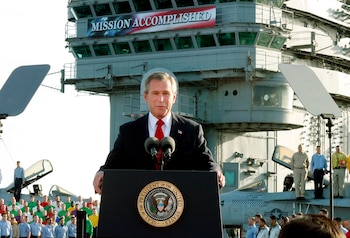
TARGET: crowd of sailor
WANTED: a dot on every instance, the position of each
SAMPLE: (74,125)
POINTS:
(47,218)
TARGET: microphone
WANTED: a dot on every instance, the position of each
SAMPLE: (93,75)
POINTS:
(152,145)
(168,146)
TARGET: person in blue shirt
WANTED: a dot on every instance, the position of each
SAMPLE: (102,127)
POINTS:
(5,227)
(48,230)
(61,230)
(318,169)
(72,227)
(35,227)
(24,227)
(252,230)
(19,180)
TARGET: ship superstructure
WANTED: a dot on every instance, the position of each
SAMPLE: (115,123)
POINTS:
(225,55)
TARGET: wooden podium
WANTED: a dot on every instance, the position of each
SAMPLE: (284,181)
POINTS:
(158,204)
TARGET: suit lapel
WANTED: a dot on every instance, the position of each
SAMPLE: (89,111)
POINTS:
(144,126)
(177,129)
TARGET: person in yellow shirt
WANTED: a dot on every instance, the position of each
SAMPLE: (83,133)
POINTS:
(339,164)
(94,219)
(15,228)
(348,164)
(71,208)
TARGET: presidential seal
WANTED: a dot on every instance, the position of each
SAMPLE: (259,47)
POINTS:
(160,204)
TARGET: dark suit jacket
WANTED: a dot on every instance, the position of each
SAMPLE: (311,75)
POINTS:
(191,151)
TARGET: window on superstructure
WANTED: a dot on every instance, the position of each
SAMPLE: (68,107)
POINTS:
(82,51)
(142,5)
(162,44)
(278,42)
(247,0)
(102,9)
(247,38)
(272,96)
(183,42)
(163,4)
(264,39)
(142,46)
(82,11)
(205,41)
(121,7)
(204,2)
(228,38)
(102,50)
(184,3)
(121,48)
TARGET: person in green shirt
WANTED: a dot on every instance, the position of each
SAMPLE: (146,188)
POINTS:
(86,209)
(89,228)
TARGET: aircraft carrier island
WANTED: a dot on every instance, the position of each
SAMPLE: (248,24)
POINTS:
(259,75)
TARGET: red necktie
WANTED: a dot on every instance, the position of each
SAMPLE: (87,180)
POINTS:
(160,135)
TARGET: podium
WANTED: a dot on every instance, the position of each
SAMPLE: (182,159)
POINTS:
(158,204)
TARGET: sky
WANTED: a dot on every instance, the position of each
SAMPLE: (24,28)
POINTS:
(69,129)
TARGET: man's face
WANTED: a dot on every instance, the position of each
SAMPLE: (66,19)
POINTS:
(160,98)
(273,222)
(261,224)
(300,148)
(250,222)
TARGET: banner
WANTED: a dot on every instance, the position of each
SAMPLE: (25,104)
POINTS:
(152,22)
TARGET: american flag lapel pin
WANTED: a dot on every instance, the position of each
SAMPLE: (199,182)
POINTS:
(179,132)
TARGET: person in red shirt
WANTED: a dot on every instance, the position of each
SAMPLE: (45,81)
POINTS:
(45,201)
(3,207)
(347,226)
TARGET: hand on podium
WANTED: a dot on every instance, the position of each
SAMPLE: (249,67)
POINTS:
(221,179)
(98,179)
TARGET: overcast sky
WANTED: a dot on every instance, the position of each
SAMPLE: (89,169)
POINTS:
(72,129)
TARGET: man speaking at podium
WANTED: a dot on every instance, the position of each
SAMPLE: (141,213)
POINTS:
(190,152)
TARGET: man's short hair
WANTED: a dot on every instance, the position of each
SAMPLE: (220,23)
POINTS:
(324,210)
(263,220)
(161,76)
(311,225)
(284,218)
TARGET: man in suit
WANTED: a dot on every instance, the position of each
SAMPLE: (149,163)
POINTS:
(191,151)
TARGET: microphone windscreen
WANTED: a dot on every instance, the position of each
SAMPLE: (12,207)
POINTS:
(168,143)
(151,142)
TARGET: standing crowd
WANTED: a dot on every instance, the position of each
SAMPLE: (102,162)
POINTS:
(301,166)
(297,225)
(47,218)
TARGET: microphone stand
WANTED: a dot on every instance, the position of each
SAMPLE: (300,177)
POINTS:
(329,132)
(161,161)
(165,158)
